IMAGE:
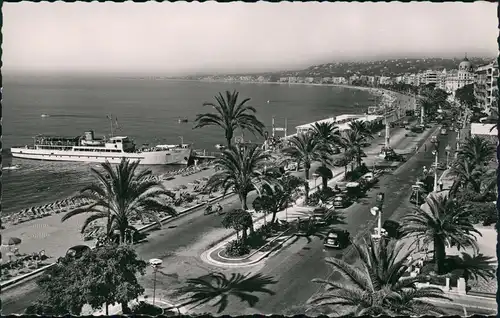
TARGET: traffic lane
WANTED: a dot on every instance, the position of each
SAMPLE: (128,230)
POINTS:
(184,231)
(295,266)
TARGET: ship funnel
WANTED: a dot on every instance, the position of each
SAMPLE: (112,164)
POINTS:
(89,135)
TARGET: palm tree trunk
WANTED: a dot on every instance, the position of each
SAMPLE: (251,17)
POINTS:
(243,200)
(439,256)
(325,182)
(107,308)
(306,187)
(274,217)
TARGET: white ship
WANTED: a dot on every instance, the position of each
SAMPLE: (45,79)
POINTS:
(88,149)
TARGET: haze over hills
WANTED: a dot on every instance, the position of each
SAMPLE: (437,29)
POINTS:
(386,67)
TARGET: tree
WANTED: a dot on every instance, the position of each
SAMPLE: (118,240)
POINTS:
(121,194)
(444,223)
(353,145)
(329,136)
(377,285)
(362,128)
(111,276)
(475,267)
(60,290)
(276,199)
(306,149)
(217,287)
(326,174)
(230,115)
(477,150)
(478,178)
(105,275)
(238,220)
(242,171)
(465,95)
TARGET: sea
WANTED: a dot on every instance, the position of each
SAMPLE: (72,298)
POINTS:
(145,109)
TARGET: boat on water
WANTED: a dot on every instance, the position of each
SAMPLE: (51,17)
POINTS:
(45,115)
(183,120)
(87,148)
(9,167)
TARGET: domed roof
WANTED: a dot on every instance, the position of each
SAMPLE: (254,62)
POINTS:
(465,65)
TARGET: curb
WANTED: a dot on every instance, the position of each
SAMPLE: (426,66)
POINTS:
(255,252)
(144,228)
(278,247)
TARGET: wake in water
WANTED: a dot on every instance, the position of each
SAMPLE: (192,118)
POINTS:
(69,116)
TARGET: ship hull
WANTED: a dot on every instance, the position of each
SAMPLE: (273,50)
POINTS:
(145,158)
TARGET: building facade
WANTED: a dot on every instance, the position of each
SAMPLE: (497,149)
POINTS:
(485,86)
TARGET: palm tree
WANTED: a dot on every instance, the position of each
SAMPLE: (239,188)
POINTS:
(363,128)
(378,285)
(329,136)
(444,223)
(327,133)
(478,178)
(427,104)
(242,171)
(475,267)
(477,150)
(217,287)
(306,149)
(353,145)
(120,194)
(230,115)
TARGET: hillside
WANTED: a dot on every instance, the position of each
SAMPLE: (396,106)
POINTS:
(390,67)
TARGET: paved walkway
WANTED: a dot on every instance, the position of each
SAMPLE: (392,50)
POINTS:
(54,237)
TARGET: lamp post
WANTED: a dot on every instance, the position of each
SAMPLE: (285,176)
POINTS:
(377,211)
(448,150)
(315,175)
(155,264)
(435,152)
(182,140)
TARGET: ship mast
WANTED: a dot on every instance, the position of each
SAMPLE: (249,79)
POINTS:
(110,117)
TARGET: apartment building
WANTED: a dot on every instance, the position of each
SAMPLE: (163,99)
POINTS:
(485,86)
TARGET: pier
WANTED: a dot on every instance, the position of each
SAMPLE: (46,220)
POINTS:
(204,154)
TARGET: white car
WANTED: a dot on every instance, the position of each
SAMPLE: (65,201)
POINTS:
(370,177)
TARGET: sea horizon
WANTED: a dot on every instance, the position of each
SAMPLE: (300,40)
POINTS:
(147,111)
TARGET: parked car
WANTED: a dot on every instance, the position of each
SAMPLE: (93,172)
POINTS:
(77,251)
(370,177)
(337,239)
(341,201)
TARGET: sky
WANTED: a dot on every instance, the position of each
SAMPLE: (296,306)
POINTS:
(175,38)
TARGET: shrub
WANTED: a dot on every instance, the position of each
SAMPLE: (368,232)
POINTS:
(483,212)
(256,239)
(237,248)
(144,308)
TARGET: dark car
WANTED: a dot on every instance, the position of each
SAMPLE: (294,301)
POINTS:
(393,229)
(337,239)
(77,251)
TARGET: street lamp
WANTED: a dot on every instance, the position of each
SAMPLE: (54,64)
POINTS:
(315,175)
(435,152)
(377,211)
(182,140)
(155,264)
(448,150)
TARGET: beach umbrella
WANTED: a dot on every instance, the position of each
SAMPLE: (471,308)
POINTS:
(12,241)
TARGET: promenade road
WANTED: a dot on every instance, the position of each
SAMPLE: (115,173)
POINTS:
(295,266)
(179,245)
